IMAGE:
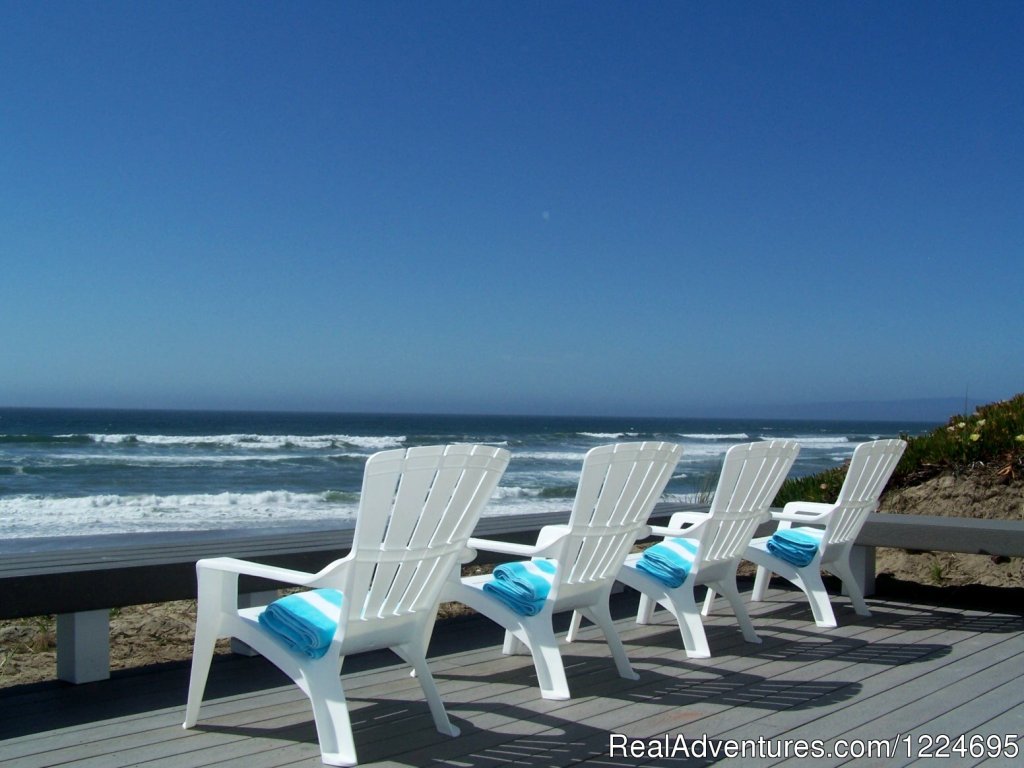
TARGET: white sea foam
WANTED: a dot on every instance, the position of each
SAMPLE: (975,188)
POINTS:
(177,460)
(264,442)
(27,516)
(698,447)
(527,504)
(502,493)
(822,442)
(607,435)
(576,456)
(373,443)
(703,450)
(22,516)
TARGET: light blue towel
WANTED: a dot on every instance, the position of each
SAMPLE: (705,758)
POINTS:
(304,621)
(669,561)
(794,546)
(523,586)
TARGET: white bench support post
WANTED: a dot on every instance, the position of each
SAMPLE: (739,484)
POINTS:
(248,600)
(83,646)
(862,563)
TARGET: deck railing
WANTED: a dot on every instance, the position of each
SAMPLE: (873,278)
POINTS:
(80,578)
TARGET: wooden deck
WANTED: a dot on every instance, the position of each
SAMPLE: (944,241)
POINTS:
(910,669)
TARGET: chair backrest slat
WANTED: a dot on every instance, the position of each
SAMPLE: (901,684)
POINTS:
(619,486)
(750,478)
(870,469)
(417,510)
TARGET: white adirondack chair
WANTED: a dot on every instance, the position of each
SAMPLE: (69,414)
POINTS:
(750,477)
(870,469)
(417,510)
(619,486)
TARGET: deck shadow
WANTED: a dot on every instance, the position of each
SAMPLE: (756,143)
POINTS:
(854,651)
(521,736)
(891,615)
(974,597)
(723,687)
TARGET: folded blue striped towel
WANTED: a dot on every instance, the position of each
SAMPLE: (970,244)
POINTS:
(794,545)
(304,621)
(669,561)
(523,586)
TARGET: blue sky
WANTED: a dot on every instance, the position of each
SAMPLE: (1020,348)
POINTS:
(558,207)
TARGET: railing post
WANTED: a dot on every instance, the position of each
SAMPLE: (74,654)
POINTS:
(862,564)
(83,646)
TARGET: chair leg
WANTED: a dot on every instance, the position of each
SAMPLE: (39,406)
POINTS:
(207,630)
(690,625)
(512,645)
(709,601)
(842,570)
(330,713)
(809,581)
(574,627)
(600,615)
(729,591)
(761,580)
(419,664)
(547,660)
(645,611)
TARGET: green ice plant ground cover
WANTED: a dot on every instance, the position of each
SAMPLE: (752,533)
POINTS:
(989,441)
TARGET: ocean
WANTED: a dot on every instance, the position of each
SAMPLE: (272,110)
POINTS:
(66,472)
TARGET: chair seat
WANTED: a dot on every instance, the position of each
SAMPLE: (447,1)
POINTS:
(670,561)
(762,541)
(807,530)
(251,615)
(523,585)
(634,572)
(305,621)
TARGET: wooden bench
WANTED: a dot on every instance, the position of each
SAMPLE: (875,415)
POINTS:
(930,533)
(80,578)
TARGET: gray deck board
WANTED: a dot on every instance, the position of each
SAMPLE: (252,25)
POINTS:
(889,694)
(908,669)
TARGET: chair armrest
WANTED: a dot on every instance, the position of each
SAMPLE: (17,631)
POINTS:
(247,568)
(679,519)
(549,540)
(804,512)
(670,532)
(549,534)
(505,547)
